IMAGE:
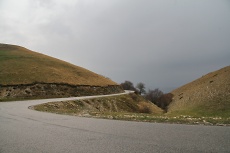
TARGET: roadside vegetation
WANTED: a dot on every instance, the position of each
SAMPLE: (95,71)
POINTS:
(122,104)
(126,107)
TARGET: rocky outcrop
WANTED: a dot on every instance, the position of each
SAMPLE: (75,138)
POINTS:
(53,90)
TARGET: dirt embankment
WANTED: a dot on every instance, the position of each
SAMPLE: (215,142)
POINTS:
(98,107)
(52,90)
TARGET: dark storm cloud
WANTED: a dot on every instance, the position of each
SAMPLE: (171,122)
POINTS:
(161,43)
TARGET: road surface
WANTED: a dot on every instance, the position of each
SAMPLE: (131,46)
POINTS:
(28,131)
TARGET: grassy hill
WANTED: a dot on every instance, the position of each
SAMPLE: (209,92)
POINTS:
(25,74)
(208,96)
(19,65)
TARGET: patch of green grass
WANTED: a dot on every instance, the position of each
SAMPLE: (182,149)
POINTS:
(213,109)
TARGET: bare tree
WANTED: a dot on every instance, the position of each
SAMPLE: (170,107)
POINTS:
(141,87)
(160,99)
(153,95)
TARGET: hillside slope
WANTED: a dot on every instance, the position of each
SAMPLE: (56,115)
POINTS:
(22,66)
(24,73)
(206,96)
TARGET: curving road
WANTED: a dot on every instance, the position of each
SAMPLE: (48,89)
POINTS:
(27,131)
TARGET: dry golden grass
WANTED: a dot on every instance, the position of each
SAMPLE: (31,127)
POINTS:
(206,96)
(19,65)
(148,107)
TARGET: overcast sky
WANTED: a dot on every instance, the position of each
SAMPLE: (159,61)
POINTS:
(163,43)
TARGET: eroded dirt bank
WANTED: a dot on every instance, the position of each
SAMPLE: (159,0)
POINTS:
(53,90)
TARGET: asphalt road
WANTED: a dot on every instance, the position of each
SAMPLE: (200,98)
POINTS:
(27,131)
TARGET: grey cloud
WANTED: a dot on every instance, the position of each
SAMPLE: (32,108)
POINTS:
(162,43)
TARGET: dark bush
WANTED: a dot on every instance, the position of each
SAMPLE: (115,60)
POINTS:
(164,101)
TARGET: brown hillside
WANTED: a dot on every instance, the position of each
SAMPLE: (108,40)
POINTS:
(22,66)
(208,95)
(27,74)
